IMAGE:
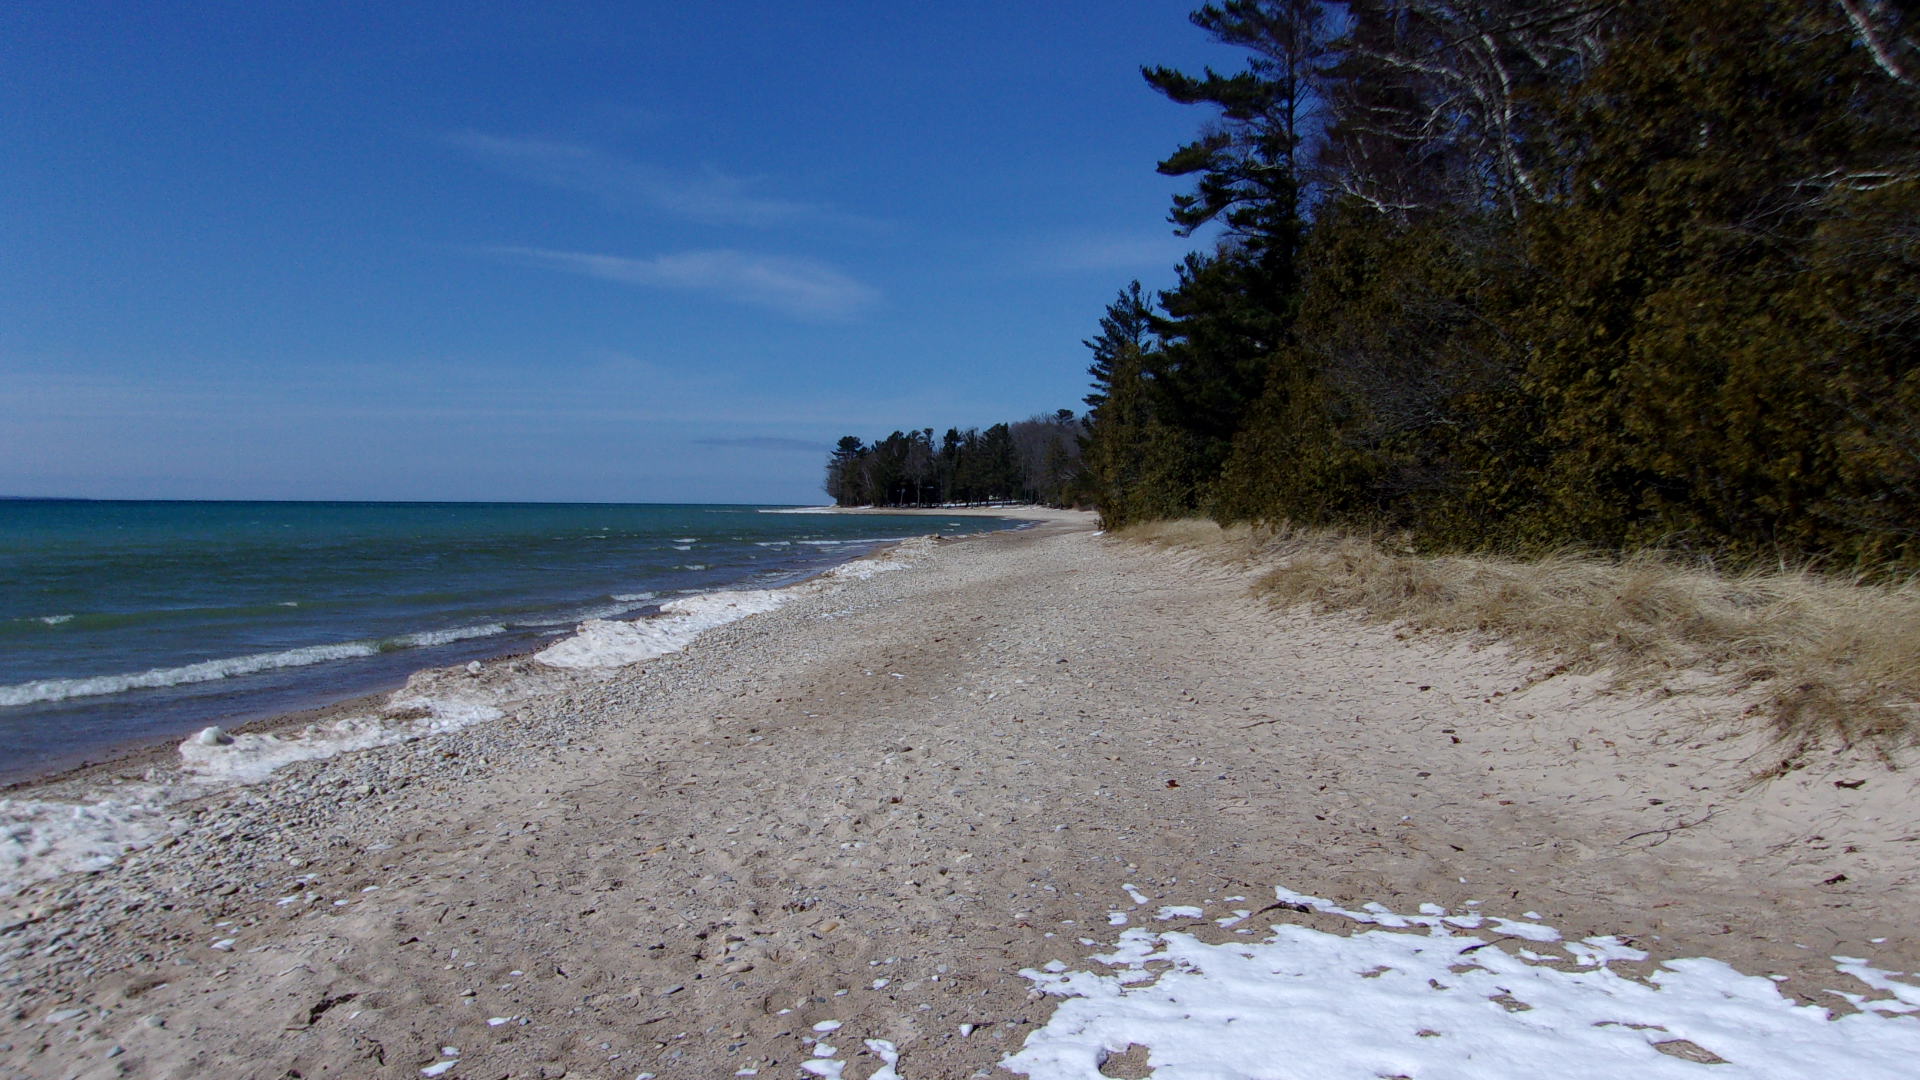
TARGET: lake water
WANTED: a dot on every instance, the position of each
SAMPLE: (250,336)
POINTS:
(128,621)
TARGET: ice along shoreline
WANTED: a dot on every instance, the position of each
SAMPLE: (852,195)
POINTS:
(87,817)
(136,620)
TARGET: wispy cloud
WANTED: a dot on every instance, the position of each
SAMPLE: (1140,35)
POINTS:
(767,442)
(705,195)
(804,288)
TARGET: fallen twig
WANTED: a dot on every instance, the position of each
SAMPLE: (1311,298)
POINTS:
(1668,831)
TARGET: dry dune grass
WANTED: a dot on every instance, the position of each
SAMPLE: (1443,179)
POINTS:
(1832,660)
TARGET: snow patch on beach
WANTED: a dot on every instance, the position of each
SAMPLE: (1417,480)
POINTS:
(44,839)
(39,840)
(605,644)
(1414,996)
(862,569)
(216,757)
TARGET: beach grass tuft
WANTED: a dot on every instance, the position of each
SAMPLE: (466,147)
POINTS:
(1832,660)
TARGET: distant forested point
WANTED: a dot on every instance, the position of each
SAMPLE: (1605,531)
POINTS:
(1036,460)
(1526,274)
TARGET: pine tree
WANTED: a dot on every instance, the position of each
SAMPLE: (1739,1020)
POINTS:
(1125,329)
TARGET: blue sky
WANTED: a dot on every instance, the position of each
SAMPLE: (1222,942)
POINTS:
(624,252)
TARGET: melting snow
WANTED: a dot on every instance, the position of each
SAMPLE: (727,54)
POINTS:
(604,644)
(1413,996)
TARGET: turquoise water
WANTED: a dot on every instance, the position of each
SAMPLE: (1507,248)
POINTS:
(125,621)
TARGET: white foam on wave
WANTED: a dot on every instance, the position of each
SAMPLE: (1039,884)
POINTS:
(621,605)
(443,637)
(860,540)
(54,620)
(204,671)
(604,644)
(41,690)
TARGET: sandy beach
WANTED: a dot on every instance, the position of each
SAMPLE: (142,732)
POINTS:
(858,817)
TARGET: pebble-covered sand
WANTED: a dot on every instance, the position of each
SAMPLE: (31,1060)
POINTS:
(851,821)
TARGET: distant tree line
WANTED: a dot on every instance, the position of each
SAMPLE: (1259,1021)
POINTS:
(1036,460)
(1523,272)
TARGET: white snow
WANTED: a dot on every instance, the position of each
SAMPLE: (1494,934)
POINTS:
(862,569)
(1415,997)
(216,757)
(42,839)
(1906,996)
(889,1057)
(604,644)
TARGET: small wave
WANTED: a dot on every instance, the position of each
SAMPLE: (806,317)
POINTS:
(97,621)
(574,618)
(205,671)
(634,598)
(686,539)
(692,566)
(773,543)
(229,667)
(862,540)
(442,637)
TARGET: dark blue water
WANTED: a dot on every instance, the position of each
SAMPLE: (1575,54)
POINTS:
(127,621)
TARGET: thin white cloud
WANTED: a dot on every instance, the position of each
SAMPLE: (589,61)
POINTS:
(804,288)
(706,195)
